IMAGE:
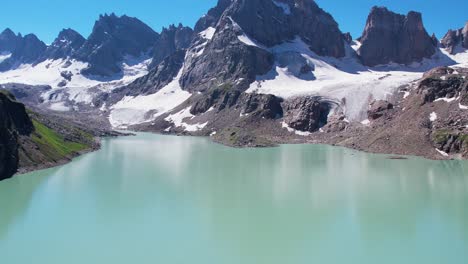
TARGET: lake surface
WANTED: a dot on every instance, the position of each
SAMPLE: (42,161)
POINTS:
(163,199)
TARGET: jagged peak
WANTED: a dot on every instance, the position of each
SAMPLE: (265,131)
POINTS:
(8,32)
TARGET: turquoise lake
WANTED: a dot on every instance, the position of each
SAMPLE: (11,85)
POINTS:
(165,199)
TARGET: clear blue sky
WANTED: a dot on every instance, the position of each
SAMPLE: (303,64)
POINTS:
(46,18)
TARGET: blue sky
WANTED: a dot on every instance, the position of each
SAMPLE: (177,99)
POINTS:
(46,18)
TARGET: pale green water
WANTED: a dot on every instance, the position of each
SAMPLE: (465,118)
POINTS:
(164,200)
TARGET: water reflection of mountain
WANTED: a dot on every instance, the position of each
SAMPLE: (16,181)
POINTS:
(277,205)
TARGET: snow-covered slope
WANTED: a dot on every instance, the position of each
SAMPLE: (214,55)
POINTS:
(67,82)
(344,80)
(144,108)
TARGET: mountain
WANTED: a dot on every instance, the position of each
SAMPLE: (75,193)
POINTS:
(456,40)
(171,40)
(65,45)
(112,39)
(236,48)
(390,37)
(24,50)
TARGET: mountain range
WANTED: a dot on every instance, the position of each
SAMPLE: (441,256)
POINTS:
(256,73)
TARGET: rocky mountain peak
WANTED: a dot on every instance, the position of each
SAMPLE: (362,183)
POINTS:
(112,38)
(391,37)
(456,40)
(8,41)
(171,39)
(65,45)
(273,22)
(213,16)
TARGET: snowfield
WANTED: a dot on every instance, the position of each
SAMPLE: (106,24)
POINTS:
(144,108)
(80,88)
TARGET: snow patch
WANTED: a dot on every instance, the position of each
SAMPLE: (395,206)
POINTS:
(406,94)
(463,107)
(286,8)
(4,56)
(135,110)
(208,33)
(448,100)
(178,120)
(59,107)
(433,116)
(442,152)
(297,132)
(365,122)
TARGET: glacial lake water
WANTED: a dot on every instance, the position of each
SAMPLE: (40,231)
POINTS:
(165,199)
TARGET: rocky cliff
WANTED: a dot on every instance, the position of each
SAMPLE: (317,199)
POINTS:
(14,122)
(390,37)
(456,41)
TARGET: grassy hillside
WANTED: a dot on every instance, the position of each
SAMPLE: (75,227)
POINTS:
(52,142)
(53,145)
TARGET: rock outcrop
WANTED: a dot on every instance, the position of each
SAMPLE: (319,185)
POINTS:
(306,114)
(378,109)
(14,121)
(390,37)
(112,38)
(263,105)
(456,40)
(441,83)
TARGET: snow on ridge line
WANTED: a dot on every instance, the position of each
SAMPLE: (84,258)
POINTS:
(132,110)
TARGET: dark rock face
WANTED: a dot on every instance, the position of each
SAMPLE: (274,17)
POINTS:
(112,38)
(450,141)
(263,105)
(378,109)
(158,77)
(9,41)
(455,39)
(207,101)
(225,60)
(27,49)
(14,121)
(171,40)
(273,22)
(306,114)
(65,45)
(390,37)
(213,16)
(442,83)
